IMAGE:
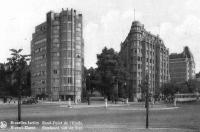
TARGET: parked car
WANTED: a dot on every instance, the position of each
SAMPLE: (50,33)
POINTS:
(30,101)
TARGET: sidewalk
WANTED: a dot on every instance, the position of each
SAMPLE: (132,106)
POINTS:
(111,106)
(85,105)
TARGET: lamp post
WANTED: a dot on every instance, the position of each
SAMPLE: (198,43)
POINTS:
(19,103)
(19,96)
(147,99)
(126,94)
(115,88)
(88,97)
(125,89)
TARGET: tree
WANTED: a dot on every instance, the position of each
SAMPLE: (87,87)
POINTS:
(3,85)
(19,71)
(169,89)
(90,78)
(191,85)
(112,73)
(18,66)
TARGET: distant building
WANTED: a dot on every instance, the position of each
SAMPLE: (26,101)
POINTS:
(182,66)
(57,56)
(198,82)
(198,75)
(144,52)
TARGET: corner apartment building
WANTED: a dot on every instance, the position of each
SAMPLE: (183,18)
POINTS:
(57,56)
(182,66)
(144,53)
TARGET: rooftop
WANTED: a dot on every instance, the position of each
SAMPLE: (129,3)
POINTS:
(185,54)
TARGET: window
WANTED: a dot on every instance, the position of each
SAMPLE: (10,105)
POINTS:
(78,38)
(78,46)
(43,72)
(139,66)
(138,58)
(55,71)
(55,63)
(69,80)
(43,81)
(147,52)
(55,54)
(78,64)
(69,53)
(43,56)
(69,18)
(40,41)
(78,56)
(37,50)
(55,80)
(78,81)
(78,72)
(69,35)
(135,51)
(55,45)
(55,40)
(67,71)
(67,62)
(55,88)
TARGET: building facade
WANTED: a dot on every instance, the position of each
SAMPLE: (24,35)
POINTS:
(57,56)
(182,66)
(144,53)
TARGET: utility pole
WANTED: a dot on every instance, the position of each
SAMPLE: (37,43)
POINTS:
(147,100)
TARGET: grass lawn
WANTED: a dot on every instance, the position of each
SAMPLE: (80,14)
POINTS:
(185,118)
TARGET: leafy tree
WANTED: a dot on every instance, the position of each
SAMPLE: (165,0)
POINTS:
(169,89)
(191,85)
(20,73)
(3,85)
(186,87)
(112,74)
(90,78)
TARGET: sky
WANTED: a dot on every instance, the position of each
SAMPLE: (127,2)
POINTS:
(105,23)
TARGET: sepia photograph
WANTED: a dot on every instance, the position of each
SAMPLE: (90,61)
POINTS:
(100,66)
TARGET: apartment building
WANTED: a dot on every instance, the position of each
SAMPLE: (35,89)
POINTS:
(57,56)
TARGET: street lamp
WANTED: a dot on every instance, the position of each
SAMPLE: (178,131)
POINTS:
(19,96)
(147,99)
(115,88)
(19,103)
(125,89)
(88,98)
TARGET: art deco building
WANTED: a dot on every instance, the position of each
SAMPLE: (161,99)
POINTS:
(144,53)
(57,56)
(182,66)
